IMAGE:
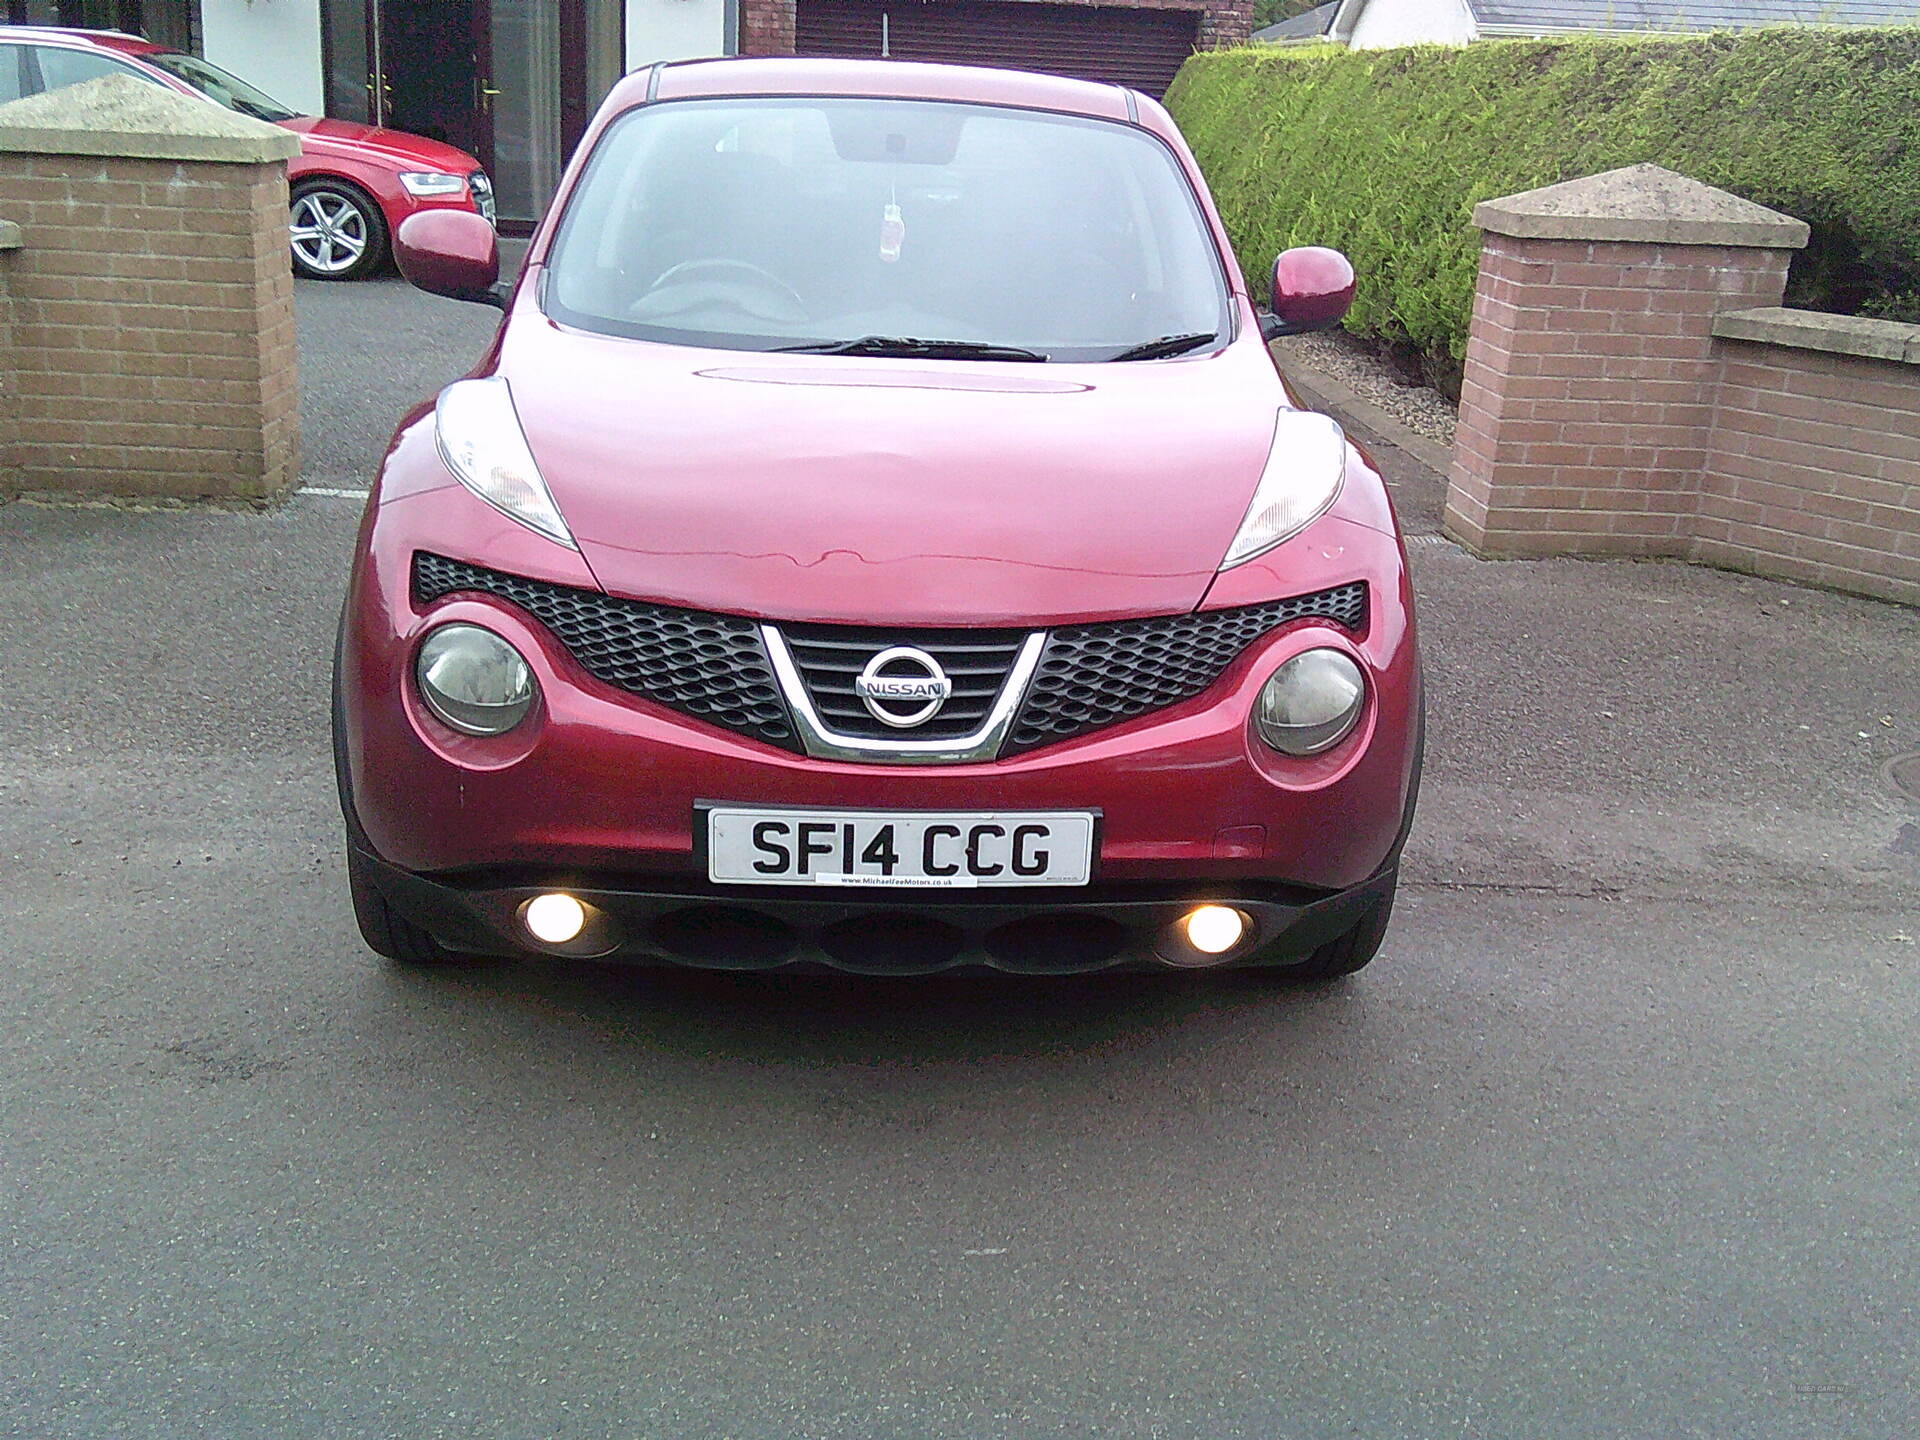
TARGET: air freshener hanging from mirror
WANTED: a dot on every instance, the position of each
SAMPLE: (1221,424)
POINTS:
(893,230)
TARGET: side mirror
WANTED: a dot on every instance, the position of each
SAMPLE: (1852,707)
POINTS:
(1312,290)
(452,253)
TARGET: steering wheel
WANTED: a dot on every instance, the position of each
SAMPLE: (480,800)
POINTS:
(692,272)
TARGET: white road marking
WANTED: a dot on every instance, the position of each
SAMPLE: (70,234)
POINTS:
(331,494)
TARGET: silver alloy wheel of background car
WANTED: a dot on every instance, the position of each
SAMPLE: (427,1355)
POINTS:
(337,233)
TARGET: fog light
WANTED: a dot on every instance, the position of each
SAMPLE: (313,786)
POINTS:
(1214,929)
(554,919)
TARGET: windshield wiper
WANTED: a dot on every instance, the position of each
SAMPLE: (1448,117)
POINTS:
(1164,346)
(921,349)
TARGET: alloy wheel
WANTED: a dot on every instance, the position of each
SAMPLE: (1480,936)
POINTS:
(329,231)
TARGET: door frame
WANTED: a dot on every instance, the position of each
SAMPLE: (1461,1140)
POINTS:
(576,105)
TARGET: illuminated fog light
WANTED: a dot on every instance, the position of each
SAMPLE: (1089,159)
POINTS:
(554,919)
(1214,929)
(1311,703)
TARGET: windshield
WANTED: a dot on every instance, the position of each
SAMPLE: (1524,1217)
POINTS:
(218,86)
(810,223)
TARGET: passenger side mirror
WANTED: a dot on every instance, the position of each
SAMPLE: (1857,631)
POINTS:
(1312,290)
(452,253)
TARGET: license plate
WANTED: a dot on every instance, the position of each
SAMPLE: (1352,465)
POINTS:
(921,850)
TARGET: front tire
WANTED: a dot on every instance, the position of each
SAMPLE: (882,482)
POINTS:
(338,233)
(386,931)
(1354,951)
(1345,954)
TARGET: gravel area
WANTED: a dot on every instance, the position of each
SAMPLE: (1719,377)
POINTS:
(1424,411)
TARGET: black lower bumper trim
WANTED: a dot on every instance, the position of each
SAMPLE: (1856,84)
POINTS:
(1036,933)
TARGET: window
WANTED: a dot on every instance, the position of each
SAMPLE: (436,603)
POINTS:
(770,224)
(60,67)
(13,80)
(220,87)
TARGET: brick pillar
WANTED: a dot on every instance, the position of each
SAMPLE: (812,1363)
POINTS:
(1223,23)
(1591,372)
(766,27)
(9,242)
(151,300)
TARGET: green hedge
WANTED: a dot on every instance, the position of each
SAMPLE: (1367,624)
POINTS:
(1385,153)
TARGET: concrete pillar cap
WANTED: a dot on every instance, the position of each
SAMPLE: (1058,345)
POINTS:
(137,119)
(1639,203)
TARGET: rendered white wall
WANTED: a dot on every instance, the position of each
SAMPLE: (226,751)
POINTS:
(674,30)
(1383,24)
(274,44)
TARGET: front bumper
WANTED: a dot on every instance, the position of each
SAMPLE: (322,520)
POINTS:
(598,791)
(1063,932)
(600,782)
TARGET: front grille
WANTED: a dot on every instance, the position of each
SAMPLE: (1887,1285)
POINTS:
(830,659)
(713,667)
(1096,675)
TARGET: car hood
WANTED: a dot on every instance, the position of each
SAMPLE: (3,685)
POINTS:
(321,136)
(858,490)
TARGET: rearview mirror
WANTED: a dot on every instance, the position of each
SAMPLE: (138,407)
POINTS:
(452,253)
(1312,289)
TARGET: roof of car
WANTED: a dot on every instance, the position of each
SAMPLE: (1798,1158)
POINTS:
(892,79)
(106,39)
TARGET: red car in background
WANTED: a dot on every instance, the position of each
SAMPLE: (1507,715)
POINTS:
(879,538)
(350,186)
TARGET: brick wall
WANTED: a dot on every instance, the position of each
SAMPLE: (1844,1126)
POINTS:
(150,315)
(1813,469)
(1590,379)
(1633,388)
(9,244)
(1226,24)
(766,27)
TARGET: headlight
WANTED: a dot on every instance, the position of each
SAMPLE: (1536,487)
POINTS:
(1310,703)
(482,191)
(1305,465)
(474,680)
(431,182)
(480,439)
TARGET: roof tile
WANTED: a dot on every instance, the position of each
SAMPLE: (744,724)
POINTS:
(1692,14)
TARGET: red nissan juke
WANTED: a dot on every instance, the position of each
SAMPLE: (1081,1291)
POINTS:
(878,539)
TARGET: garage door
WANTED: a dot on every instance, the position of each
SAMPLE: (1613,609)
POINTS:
(1141,48)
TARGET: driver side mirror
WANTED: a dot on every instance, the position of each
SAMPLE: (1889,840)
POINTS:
(1313,289)
(453,253)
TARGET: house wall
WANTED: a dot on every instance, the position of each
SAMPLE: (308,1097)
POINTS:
(675,30)
(767,27)
(274,44)
(1384,24)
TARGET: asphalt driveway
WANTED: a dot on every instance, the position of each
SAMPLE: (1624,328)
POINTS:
(369,352)
(1619,1137)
